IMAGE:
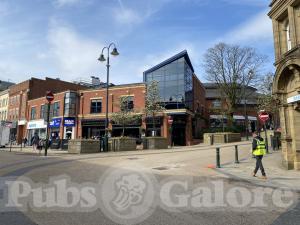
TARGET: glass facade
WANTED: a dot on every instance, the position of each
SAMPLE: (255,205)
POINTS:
(70,104)
(175,83)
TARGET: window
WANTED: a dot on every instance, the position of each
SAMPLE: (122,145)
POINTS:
(128,103)
(96,106)
(216,104)
(33,113)
(288,36)
(43,112)
(70,104)
(55,109)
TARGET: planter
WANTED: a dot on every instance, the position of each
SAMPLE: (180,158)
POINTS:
(82,146)
(122,144)
(155,143)
(221,138)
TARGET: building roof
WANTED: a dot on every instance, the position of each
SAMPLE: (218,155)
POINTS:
(5,85)
(172,59)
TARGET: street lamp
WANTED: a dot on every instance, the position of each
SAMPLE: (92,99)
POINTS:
(102,59)
(250,74)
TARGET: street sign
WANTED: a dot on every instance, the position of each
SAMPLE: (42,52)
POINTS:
(49,96)
(263,116)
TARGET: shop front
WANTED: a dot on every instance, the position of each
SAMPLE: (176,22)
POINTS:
(54,127)
(69,128)
(92,128)
(36,127)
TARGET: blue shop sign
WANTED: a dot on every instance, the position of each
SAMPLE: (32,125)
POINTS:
(69,122)
(55,123)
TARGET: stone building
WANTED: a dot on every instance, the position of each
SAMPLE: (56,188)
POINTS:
(285,15)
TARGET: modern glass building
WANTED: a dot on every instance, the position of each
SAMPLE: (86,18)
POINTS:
(175,77)
(183,96)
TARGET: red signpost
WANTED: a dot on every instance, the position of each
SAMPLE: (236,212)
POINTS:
(264,117)
(50,98)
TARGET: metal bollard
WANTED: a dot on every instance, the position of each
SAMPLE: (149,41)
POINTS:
(218,158)
(236,155)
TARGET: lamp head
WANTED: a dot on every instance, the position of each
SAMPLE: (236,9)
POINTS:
(101,58)
(114,52)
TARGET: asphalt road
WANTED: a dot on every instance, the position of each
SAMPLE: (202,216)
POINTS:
(187,171)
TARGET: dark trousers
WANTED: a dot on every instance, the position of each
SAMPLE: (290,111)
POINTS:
(259,165)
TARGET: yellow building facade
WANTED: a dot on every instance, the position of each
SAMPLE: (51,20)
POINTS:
(285,15)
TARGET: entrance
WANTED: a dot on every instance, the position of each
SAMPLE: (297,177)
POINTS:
(178,130)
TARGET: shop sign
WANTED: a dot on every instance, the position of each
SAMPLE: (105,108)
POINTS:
(295,98)
(38,124)
(55,123)
(69,122)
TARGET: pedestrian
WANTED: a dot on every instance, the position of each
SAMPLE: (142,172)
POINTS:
(258,150)
(25,142)
(35,141)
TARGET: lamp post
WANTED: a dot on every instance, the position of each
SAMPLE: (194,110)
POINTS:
(250,73)
(102,59)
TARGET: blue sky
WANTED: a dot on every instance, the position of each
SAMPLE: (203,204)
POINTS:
(63,38)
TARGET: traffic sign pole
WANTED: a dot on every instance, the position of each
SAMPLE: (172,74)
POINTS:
(50,98)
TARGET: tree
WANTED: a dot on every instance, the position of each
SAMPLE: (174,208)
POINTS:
(125,115)
(232,68)
(153,105)
(266,100)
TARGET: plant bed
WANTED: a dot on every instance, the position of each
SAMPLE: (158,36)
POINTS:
(155,143)
(83,146)
(122,144)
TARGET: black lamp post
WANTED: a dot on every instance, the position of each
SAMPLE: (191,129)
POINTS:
(102,59)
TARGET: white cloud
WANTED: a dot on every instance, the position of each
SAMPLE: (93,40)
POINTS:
(258,28)
(127,16)
(61,3)
(74,54)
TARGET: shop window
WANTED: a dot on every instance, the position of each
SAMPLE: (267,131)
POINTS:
(96,106)
(33,113)
(216,104)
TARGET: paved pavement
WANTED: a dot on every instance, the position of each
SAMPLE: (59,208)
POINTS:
(178,164)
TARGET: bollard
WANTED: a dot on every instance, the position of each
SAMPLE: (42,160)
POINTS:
(218,158)
(236,154)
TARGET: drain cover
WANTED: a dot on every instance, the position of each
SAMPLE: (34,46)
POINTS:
(161,168)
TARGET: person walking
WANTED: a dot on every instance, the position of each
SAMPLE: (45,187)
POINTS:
(35,141)
(258,150)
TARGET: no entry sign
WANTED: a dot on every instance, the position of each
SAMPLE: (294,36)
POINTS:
(49,96)
(263,116)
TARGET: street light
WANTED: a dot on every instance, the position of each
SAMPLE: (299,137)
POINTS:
(250,74)
(102,59)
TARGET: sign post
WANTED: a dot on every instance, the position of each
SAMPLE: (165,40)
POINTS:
(264,117)
(50,98)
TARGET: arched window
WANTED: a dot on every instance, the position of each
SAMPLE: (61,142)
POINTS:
(288,36)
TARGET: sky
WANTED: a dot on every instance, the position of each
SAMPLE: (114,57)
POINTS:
(63,38)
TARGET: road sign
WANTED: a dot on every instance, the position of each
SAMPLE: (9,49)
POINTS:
(263,116)
(49,96)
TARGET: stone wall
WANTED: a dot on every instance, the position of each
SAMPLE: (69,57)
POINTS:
(82,146)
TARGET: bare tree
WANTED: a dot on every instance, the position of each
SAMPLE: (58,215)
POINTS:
(233,68)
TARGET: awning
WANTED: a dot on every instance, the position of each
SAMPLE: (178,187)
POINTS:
(217,117)
(237,117)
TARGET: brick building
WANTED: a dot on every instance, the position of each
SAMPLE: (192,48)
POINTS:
(21,93)
(216,106)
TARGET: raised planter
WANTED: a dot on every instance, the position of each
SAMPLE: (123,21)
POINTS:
(83,146)
(122,144)
(221,138)
(155,143)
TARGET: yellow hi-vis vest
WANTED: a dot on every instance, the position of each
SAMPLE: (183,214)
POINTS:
(260,148)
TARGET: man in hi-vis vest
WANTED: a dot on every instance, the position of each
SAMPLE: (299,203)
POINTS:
(258,150)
